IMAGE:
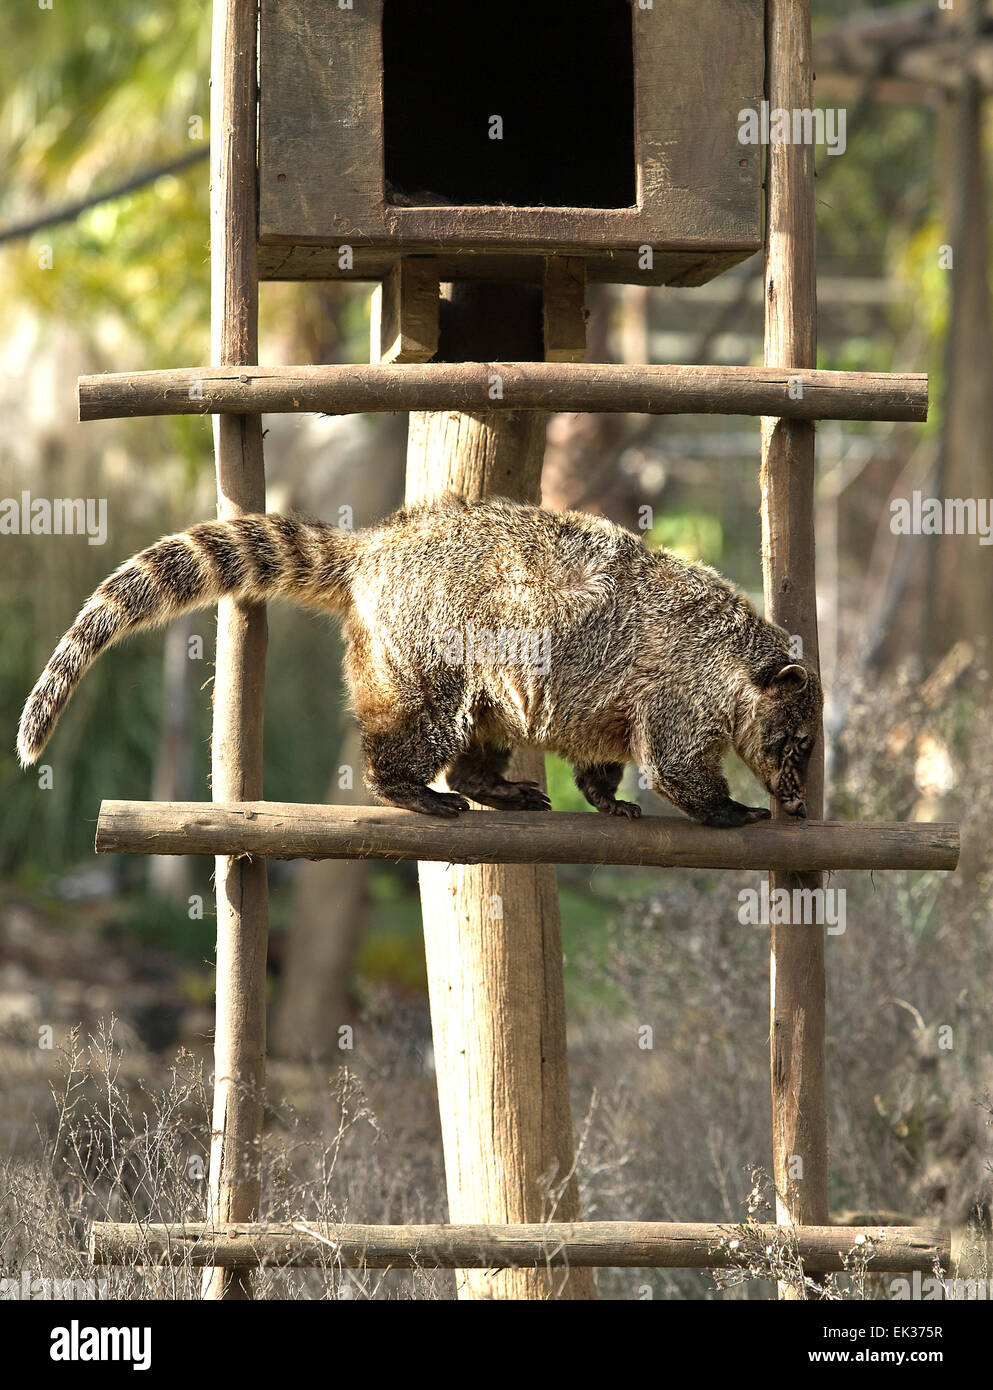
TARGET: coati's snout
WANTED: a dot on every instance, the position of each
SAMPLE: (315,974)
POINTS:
(780,735)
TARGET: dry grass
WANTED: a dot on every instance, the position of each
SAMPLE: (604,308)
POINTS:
(674,1130)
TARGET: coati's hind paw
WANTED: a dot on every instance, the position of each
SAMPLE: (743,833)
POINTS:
(733,814)
(412,796)
(508,796)
(518,796)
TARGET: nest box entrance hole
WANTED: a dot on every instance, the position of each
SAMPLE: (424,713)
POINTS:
(529,103)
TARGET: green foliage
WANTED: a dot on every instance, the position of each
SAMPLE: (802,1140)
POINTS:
(696,535)
(91,96)
(879,188)
(562,788)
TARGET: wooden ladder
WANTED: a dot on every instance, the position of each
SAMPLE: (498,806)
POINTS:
(243,831)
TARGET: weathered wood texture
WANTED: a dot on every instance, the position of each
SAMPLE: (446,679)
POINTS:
(241,887)
(602,1244)
(403,318)
(527,386)
(306,261)
(563,309)
(492,932)
(798,1028)
(321,149)
(275,830)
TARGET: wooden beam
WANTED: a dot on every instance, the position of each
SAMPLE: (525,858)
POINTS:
(798,1028)
(274,830)
(468,386)
(580,1244)
(563,309)
(492,931)
(403,316)
(242,890)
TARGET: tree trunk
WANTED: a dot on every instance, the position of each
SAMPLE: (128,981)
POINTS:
(492,932)
(961,569)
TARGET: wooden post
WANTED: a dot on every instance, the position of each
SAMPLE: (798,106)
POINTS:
(403,319)
(241,884)
(799,1106)
(563,309)
(492,932)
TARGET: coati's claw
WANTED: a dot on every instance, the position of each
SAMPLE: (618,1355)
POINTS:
(423,799)
(443,804)
(526,796)
(629,809)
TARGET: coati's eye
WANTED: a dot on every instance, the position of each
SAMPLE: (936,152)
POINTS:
(805,744)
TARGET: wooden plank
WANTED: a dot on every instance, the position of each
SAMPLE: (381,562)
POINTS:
(696,66)
(541,386)
(293,259)
(492,932)
(291,830)
(320,120)
(598,1244)
(798,1025)
(403,316)
(563,308)
(241,887)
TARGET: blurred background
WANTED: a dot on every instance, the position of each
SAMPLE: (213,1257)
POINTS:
(108,961)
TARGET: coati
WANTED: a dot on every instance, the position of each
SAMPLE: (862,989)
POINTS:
(472,628)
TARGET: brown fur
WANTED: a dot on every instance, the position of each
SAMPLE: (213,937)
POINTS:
(610,652)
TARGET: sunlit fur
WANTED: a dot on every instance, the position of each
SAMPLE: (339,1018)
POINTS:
(651,658)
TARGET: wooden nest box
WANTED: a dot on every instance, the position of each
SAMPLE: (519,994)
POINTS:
(491,137)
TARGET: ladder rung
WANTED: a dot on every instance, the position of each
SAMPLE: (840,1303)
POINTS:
(779,392)
(597,1244)
(293,830)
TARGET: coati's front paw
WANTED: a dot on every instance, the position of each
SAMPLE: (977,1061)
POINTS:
(733,814)
(612,807)
(443,804)
(413,797)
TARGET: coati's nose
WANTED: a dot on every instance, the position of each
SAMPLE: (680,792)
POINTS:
(796,808)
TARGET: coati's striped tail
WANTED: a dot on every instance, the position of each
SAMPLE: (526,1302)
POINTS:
(253,557)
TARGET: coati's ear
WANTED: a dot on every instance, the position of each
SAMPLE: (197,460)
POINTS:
(791,677)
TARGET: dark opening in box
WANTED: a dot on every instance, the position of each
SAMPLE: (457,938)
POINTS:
(558,73)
